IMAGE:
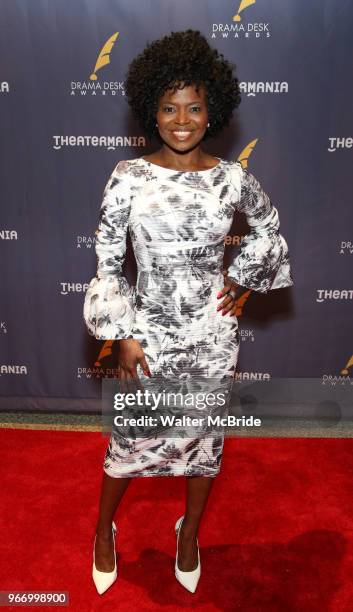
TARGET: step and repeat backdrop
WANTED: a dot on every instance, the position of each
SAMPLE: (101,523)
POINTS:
(65,123)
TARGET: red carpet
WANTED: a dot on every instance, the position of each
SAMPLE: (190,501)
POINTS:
(277,534)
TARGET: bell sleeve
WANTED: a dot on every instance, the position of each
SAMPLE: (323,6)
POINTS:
(109,305)
(263,260)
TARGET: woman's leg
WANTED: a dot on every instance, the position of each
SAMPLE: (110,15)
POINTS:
(112,493)
(198,490)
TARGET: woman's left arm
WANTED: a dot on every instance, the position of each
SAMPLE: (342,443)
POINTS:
(263,260)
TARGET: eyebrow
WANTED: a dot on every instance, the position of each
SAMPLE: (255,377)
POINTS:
(175,104)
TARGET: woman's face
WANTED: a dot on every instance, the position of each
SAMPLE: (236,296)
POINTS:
(182,117)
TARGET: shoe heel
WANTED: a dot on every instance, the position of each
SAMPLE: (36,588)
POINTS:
(178,524)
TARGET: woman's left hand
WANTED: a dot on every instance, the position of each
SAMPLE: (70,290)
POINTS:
(229,304)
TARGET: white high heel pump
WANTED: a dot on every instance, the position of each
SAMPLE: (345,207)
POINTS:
(103,580)
(190,579)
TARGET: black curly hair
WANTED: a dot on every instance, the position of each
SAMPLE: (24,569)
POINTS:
(181,57)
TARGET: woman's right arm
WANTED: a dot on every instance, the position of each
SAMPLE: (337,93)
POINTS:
(109,305)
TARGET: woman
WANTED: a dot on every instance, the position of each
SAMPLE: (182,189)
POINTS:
(178,204)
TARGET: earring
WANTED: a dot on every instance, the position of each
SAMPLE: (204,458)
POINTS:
(208,125)
(156,124)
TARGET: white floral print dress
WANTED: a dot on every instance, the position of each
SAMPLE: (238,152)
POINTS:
(178,222)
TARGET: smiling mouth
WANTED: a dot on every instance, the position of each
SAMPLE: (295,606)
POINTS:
(181,133)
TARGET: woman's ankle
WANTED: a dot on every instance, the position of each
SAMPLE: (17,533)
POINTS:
(104,532)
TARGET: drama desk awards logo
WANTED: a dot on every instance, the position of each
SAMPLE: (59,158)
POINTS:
(83,241)
(96,86)
(343,379)
(240,28)
(346,247)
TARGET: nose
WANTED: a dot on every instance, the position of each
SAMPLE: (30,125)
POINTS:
(182,117)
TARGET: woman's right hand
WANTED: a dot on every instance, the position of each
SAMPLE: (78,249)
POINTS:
(130,354)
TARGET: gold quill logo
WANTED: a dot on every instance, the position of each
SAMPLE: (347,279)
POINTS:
(242,6)
(105,351)
(349,364)
(104,56)
(240,303)
(246,152)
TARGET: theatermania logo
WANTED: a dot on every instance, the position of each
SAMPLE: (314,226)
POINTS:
(238,27)
(253,88)
(95,84)
(8,234)
(4,87)
(110,142)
